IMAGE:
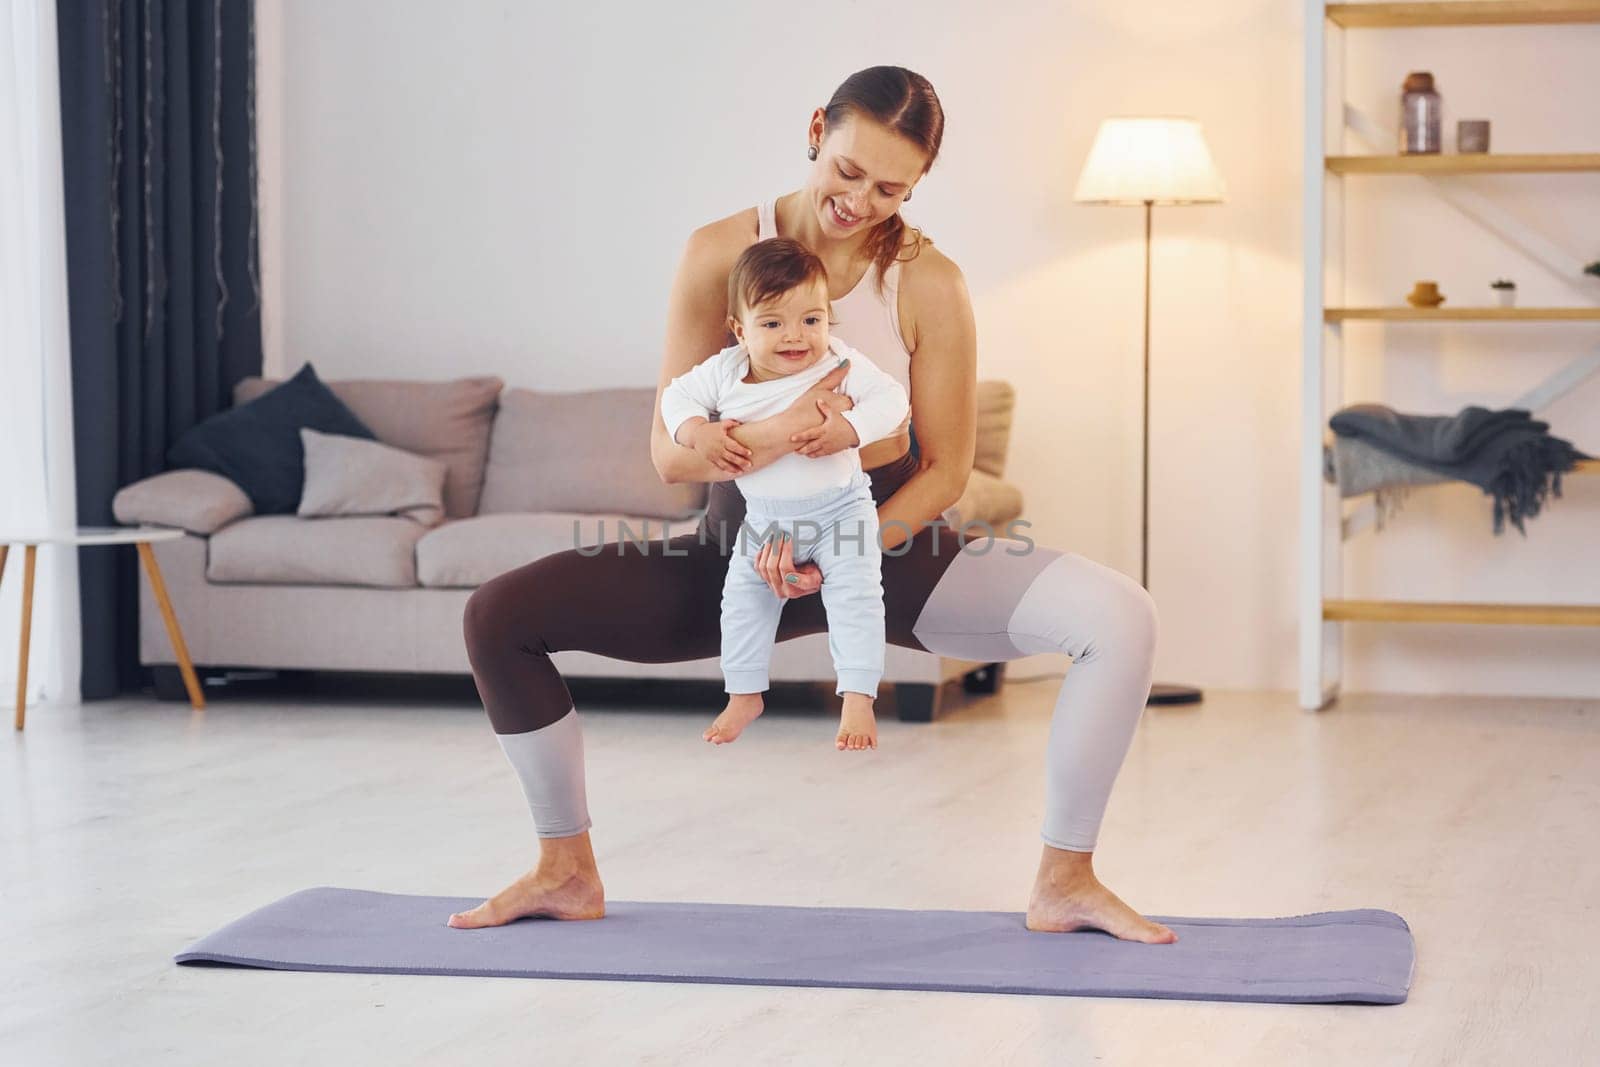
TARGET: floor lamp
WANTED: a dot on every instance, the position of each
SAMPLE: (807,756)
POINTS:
(1150,161)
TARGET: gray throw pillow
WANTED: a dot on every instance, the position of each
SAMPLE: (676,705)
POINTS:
(446,421)
(351,476)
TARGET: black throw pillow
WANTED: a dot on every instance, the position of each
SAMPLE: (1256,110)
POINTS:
(257,445)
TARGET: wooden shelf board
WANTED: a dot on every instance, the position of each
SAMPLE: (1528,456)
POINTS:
(1583,466)
(1461,314)
(1468,163)
(1464,13)
(1489,614)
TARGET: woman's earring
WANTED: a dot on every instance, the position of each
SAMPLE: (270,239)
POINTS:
(907,198)
(811,152)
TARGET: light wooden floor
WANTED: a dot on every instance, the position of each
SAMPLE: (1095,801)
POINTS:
(128,829)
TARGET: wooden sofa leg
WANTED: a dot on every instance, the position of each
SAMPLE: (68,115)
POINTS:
(985,679)
(916,701)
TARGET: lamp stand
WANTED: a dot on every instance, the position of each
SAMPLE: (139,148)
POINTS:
(1159,693)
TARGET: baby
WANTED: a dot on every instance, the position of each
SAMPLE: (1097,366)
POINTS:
(778,312)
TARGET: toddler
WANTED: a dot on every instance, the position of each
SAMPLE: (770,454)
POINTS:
(778,312)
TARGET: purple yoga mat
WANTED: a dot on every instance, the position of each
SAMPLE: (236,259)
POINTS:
(1363,956)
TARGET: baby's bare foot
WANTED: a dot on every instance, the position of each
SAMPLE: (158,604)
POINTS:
(742,710)
(858,727)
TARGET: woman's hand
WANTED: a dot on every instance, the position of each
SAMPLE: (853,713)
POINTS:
(775,563)
(828,387)
(712,442)
(832,434)
(835,434)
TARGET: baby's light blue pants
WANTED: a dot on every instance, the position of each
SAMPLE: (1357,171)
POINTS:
(838,531)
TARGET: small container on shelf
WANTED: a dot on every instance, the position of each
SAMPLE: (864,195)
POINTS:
(1421,115)
(1472,136)
(1425,294)
(1505,292)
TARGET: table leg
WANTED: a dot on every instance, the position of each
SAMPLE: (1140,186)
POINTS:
(29,552)
(148,556)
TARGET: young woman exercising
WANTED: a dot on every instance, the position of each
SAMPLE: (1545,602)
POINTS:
(902,302)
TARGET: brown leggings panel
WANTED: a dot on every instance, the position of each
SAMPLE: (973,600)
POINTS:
(639,603)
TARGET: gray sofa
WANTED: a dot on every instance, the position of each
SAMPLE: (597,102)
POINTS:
(528,472)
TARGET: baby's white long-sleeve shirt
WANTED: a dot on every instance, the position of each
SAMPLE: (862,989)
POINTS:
(718,385)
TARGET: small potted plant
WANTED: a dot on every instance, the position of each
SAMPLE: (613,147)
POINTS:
(1505,290)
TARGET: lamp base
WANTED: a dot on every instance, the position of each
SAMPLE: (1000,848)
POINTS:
(1174,694)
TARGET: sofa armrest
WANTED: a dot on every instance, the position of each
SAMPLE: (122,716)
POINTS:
(996,399)
(194,500)
(988,500)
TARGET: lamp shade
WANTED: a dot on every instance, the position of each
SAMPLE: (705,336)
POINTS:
(1163,160)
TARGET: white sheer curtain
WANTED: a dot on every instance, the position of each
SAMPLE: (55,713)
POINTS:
(36,465)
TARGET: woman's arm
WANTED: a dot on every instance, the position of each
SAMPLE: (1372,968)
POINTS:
(944,393)
(697,316)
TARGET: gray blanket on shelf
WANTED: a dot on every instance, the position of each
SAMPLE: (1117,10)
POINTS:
(1357,468)
(1508,454)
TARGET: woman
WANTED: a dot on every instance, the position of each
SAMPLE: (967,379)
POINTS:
(903,303)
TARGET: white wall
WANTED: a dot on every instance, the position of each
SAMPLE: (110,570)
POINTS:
(461,188)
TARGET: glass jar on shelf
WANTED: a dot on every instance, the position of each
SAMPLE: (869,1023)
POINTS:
(1421,115)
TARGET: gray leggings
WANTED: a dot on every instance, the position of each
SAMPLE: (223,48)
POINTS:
(978,599)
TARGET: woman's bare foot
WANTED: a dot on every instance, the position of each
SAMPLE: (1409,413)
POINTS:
(858,727)
(1067,896)
(565,885)
(742,710)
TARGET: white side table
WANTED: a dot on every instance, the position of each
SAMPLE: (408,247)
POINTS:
(142,537)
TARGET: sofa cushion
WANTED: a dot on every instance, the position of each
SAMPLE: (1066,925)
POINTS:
(583,452)
(194,500)
(285,550)
(257,445)
(986,499)
(349,476)
(447,421)
(468,552)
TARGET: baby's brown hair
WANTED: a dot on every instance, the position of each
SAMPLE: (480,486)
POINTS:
(769,268)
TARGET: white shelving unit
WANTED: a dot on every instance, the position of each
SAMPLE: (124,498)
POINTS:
(1324,524)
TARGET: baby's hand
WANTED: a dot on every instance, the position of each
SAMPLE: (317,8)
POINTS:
(712,441)
(833,434)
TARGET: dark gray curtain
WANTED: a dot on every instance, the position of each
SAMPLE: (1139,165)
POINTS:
(158,152)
